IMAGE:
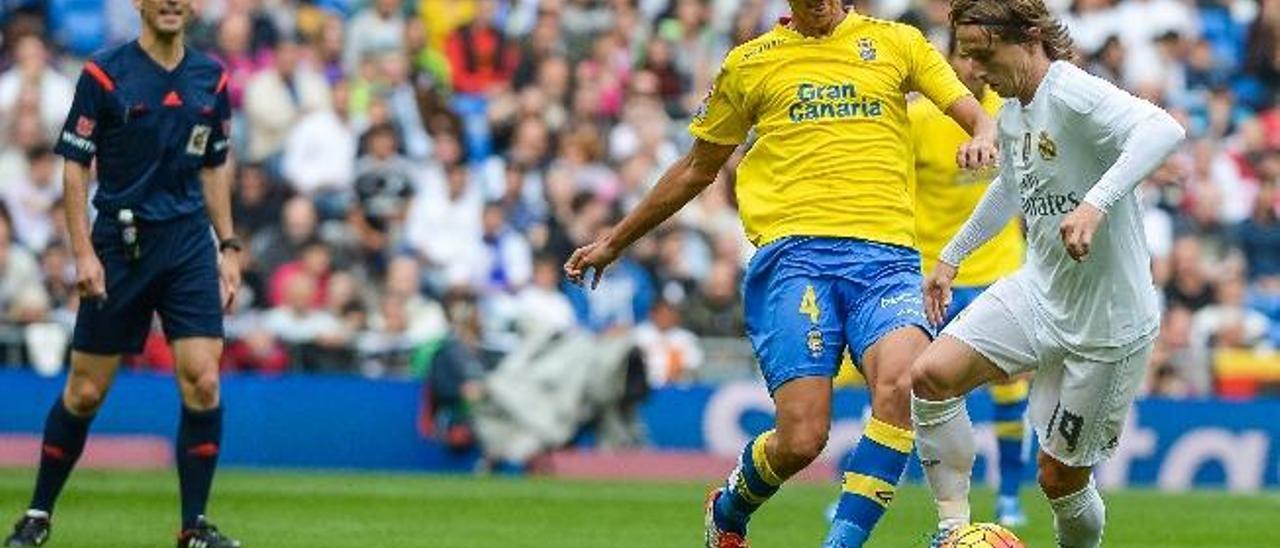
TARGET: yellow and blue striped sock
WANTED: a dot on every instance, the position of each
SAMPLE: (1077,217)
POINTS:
(871,475)
(1010,406)
(750,484)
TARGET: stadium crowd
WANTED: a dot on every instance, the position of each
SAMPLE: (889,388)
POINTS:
(411,175)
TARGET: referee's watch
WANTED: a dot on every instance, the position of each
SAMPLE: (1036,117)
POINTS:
(230,243)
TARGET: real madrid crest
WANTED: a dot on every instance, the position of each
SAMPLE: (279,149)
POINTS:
(867,49)
(1048,149)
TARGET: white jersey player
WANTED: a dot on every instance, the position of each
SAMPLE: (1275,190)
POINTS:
(1082,312)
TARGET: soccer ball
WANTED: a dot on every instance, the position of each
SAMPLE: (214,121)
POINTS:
(982,535)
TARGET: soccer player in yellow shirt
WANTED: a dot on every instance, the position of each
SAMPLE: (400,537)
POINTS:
(824,194)
(945,197)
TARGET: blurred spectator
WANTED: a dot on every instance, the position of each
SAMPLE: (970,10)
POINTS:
(1190,287)
(453,382)
(30,200)
(384,184)
(671,353)
(1229,323)
(1180,365)
(1260,237)
(314,261)
(320,153)
(22,295)
(388,345)
(481,62)
(316,338)
(379,28)
(33,85)
(715,310)
(235,50)
(541,306)
(277,98)
(24,134)
(281,243)
(444,226)
(505,263)
(255,202)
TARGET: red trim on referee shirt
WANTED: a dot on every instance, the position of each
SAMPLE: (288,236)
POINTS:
(101,76)
(222,82)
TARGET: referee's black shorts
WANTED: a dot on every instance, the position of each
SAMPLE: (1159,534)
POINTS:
(176,275)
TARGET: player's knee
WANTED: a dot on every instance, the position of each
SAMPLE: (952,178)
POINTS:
(84,397)
(928,381)
(801,446)
(1059,480)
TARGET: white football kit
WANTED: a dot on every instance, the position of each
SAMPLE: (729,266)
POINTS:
(1086,328)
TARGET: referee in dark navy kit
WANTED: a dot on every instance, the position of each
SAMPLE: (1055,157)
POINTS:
(154,115)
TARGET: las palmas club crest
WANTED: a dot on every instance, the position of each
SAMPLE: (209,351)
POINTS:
(867,49)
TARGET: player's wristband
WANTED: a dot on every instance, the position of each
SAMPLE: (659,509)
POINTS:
(230,243)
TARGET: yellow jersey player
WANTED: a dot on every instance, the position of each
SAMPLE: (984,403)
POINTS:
(945,196)
(824,194)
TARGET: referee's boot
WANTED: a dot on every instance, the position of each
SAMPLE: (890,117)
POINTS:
(205,535)
(32,530)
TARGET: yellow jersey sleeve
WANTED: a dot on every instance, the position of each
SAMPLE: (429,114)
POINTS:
(929,73)
(722,117)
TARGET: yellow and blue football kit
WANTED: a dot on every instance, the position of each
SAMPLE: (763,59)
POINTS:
(824,192)
(945,196)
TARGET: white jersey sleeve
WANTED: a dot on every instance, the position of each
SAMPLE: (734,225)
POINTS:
(998,205)
(1112,119)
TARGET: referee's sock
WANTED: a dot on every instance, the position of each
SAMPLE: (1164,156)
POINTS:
(64,435)
(199,440)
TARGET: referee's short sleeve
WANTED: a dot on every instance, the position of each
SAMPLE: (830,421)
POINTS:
(721,118)
(929,72)
(78,140)
(220,137)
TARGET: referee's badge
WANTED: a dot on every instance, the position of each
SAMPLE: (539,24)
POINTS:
(867,49)
(84,126)
(199,140)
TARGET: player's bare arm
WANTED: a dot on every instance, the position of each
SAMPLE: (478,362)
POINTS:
(681,183)
(91,279)
(216,186)
(980,151)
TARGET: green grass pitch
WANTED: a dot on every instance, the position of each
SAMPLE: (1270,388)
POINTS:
(302,509)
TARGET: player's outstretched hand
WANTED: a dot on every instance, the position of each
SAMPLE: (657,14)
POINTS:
(1077,230)
(978,153)
(595,256)
(937,292)
(91,279)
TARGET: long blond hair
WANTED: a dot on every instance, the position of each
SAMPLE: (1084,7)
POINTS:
(1012,20)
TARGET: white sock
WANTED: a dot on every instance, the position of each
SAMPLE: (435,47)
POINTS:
(944,439)
(1079,518)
